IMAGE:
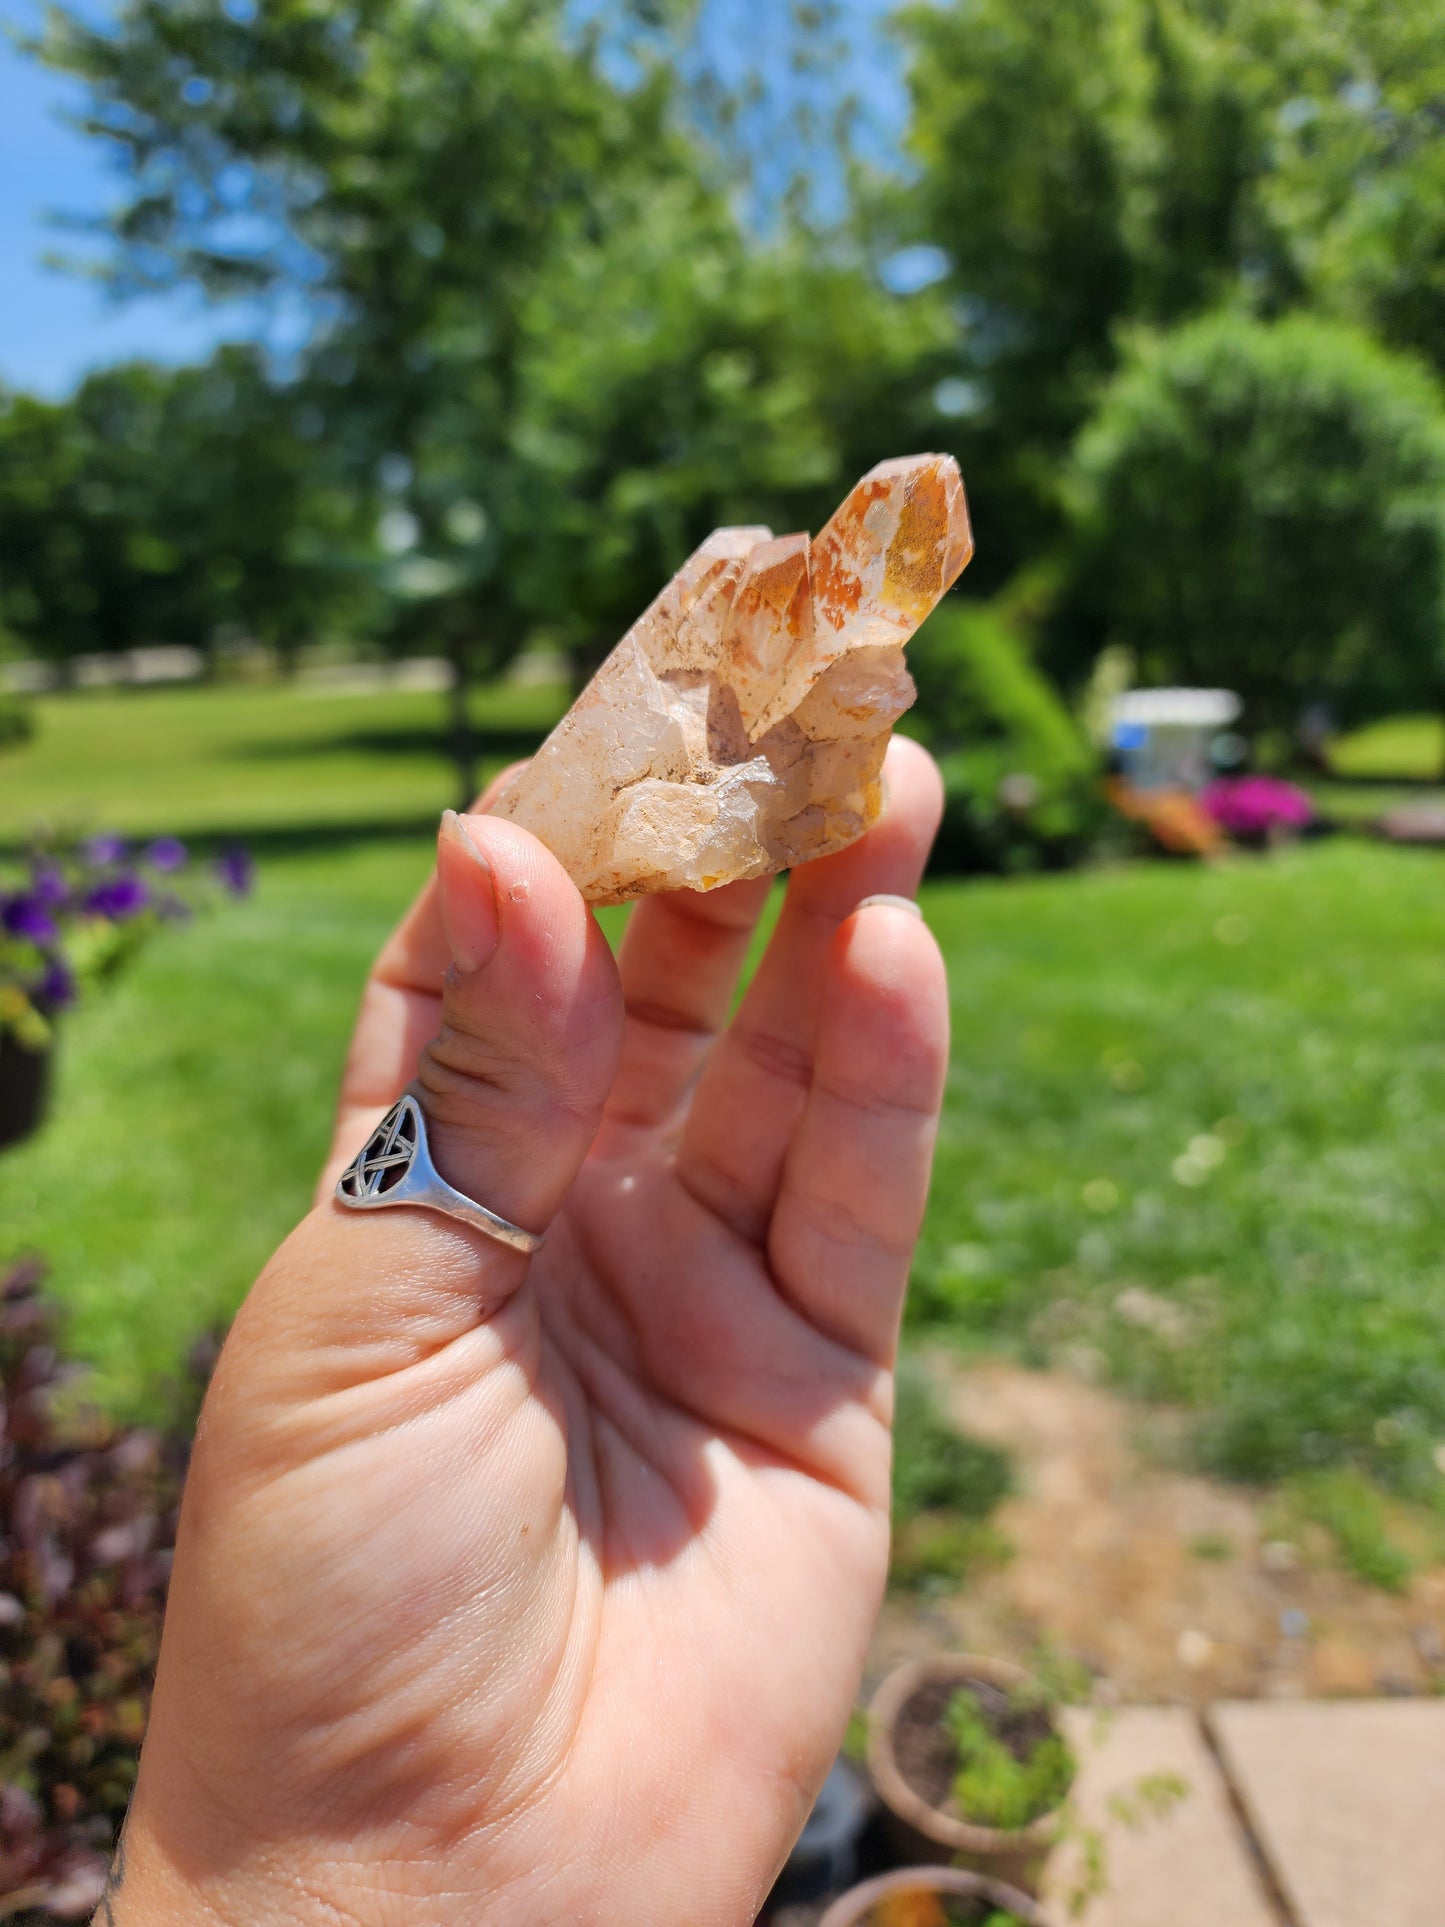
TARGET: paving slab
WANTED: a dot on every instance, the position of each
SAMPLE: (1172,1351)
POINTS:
(1347,1800)
(1190,1866)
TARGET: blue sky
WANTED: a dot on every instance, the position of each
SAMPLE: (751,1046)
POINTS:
(55,326)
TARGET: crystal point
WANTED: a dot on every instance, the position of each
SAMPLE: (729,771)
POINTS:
(739,727)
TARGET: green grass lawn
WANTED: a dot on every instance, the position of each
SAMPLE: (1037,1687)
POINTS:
(1195,1120)
(1194,1136)
(274,765)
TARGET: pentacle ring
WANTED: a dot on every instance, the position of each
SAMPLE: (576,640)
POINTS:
(394,1167)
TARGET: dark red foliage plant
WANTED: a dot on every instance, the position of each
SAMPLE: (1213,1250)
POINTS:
(88,1515)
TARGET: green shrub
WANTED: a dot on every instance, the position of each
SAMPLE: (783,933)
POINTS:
(17,722)
(1019,776)
(1262,505)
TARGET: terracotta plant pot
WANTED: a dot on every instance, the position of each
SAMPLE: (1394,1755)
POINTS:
(24,1088)
(921,1830)
(922,1884)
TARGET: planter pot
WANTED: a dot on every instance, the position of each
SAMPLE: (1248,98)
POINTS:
(24,1088)
(922,1884)
(920,1829)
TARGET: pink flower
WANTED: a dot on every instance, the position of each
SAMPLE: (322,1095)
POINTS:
(1252,806)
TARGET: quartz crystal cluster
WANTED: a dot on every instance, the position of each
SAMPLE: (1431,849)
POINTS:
(739,726)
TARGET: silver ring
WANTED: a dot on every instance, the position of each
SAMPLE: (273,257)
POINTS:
(394,1167)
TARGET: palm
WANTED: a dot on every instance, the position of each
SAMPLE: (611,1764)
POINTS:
(605,1562)
(728,1514)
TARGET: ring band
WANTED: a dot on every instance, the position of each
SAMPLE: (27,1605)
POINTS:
(394,1167)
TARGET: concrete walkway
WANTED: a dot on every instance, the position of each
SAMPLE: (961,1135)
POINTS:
(1303,1814)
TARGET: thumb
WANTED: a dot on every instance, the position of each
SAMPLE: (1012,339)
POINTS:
(514,1082)
(512,1088)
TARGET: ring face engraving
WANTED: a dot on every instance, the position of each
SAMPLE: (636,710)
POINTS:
(394,1167)
(387,1155)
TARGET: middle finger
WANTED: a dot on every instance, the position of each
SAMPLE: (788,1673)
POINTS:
(752,1091)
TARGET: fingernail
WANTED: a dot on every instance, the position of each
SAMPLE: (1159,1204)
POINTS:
(892,903)
(467,888)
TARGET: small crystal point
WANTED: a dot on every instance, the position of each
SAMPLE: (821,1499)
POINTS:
(739,727)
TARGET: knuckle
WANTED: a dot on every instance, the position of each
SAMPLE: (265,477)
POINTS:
(775,1056)
(467,1085)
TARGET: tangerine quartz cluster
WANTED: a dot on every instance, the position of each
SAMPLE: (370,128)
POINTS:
(739,726)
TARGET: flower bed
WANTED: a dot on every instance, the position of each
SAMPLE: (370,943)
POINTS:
(90,1513)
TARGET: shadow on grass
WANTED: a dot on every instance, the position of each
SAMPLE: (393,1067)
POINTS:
(1373,780)
(305,839)
(286,839)
(508,743)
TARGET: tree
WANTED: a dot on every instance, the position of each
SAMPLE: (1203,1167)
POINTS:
(542,328)
(1356,182)
(1262,505)
(1083,162)
(275,537)
(414,173)
(685,377)
(161,505)
(66,561)
(1088,166)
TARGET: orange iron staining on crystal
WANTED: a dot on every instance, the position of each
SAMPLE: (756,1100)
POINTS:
(739,727)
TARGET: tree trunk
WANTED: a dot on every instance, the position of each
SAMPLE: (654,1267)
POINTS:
(463,742)
(583,662)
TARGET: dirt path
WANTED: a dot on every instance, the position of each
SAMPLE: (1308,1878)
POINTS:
(1167,1585)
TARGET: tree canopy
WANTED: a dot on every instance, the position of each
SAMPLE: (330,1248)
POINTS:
(415,175)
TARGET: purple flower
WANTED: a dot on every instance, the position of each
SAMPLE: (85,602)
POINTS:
(119,898)
(48,885)
(103,849)
(28,917)
(1251,806)
(56,988)
(167,853)
(235,871)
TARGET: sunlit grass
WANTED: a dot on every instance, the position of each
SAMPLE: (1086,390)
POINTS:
(1410,747)
(1194,1135)
(252,762)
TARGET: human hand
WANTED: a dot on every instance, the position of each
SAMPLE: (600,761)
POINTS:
(538,1591)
